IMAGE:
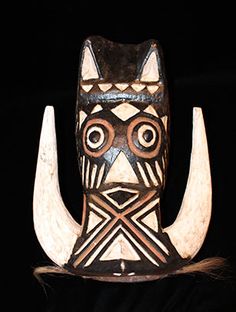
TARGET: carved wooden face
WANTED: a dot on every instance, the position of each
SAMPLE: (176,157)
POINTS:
(122,144)
(122,132)
(122,140)
(122,136)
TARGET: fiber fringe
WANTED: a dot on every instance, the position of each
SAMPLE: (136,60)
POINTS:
(212,267)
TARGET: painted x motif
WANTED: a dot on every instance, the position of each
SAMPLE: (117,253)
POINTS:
(142,236)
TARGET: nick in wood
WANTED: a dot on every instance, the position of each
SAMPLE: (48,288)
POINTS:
(122,135)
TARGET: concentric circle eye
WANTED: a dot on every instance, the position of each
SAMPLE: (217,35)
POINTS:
(98,135)
(144,137)
(95,137)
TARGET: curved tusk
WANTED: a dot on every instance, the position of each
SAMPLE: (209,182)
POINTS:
(188,231)
(56,230)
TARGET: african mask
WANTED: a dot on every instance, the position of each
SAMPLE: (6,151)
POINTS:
(122,136)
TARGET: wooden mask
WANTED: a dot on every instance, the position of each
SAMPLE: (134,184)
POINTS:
(122,135)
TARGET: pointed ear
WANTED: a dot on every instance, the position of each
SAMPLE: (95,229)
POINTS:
(89,66)
(150,71)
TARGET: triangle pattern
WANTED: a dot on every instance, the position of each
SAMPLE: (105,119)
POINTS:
(152,89)
(138,86)
(121,197)
(164,120)
(151,221)
(150,69)
(120,248)
(105,86)
(93,221)
(151,110)
(121,86)
(89,69)
(121,171)
(96,109)
(82,116)
(87,88)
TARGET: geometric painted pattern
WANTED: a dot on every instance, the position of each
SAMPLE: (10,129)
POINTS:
(151,111)
(128,234)
(93,221)
(124,196)
(150,71)
(151,221)
(96,109)
(89,70)
(82,116)
(125,111)
(136,218)
(149,175)
(121,171)
(120,248)
(152,89)
(123,87)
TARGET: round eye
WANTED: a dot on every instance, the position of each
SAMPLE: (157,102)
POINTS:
(144,137)
(98,135)
(95,137)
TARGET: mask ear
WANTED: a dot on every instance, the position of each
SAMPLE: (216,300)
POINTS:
(89,66)
(150,71)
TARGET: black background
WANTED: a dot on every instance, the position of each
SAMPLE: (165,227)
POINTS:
(43,41)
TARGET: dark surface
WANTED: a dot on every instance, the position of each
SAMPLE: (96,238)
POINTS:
(121,63)
(43,44)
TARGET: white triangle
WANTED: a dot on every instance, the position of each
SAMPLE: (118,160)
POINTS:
(138,86)
(152,89)
(120,248)
(151,221)
(93,221)
(151,110)
(96,109)
(87,88)
(164,120)
(105,86)
(150,69)
(121,86)
(121,171)
(89,69)
(82,116)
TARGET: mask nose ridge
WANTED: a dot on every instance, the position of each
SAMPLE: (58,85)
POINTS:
(121,171)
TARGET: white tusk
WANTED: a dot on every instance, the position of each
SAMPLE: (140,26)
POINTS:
(56,230)
(188,231)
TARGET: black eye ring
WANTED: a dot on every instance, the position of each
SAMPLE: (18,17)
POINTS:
(147,135)
(95,137)
(136,132)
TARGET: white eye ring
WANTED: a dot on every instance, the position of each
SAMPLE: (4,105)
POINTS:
(141,132)
(100,140)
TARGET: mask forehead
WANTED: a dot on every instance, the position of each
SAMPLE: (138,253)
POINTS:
(122,111)
(110,72)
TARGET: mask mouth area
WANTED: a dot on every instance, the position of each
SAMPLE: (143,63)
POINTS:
(120,196)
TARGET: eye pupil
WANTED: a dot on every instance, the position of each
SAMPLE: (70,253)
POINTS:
(94,136)
(148,135)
